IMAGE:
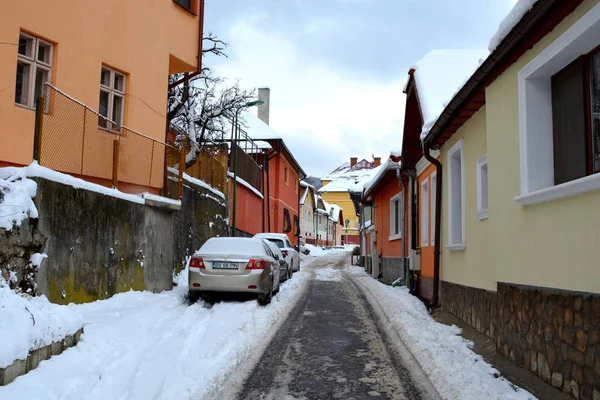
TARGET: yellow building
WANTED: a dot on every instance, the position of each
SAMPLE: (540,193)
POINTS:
(519,148)
(349,177)
(115,56)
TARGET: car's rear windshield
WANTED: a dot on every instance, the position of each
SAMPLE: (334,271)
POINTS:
(278,242)
(230,245)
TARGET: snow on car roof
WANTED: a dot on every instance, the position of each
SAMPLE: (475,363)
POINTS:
(280,236)
(228,245)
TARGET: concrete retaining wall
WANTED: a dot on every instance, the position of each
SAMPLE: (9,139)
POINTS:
(21,367)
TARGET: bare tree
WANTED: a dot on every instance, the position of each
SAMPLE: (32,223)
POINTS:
(200,108)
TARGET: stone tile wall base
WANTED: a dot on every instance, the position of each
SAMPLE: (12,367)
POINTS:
(475,306)
(21,367)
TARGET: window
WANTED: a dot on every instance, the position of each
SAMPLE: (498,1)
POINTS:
(456,206)
(425,213)
(287,224)
(482,188)
(187,4)
(34,67)
(112,95)
(433,204)
(286,175)
(396,217)
(296,226)
(559,105)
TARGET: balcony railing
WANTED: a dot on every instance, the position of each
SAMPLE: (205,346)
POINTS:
(69,139)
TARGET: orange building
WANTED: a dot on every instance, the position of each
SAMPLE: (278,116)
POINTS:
(114,56)
(385,203)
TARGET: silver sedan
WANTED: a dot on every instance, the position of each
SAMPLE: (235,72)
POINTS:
(234,265)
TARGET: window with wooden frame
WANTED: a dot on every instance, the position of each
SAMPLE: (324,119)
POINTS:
(34,69)
(189,5)
(286,174)
(112,99)
(287,223)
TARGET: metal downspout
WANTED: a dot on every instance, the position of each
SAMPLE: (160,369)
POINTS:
(438,215)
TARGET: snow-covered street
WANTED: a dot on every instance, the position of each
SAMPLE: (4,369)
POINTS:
(332,330)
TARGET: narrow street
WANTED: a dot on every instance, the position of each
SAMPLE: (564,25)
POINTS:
(332,347)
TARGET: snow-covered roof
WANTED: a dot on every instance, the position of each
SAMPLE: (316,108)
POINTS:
(360,169)
(520,8)
(257,129)
(335,212)
(439,75)
(387,166)
(350,182)
(305,194)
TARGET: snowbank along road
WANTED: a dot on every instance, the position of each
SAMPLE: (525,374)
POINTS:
(332,346)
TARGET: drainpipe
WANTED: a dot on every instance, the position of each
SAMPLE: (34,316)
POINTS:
(401,280)
(438,215)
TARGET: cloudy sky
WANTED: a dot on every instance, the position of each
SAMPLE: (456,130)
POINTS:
(336,68)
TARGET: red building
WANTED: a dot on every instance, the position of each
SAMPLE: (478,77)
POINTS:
(269,202)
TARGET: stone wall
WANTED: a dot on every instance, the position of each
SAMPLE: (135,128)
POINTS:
(555,334)
(392,269)
(99,245)
(475,306)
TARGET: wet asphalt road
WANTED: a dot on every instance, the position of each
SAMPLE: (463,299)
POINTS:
(330,347)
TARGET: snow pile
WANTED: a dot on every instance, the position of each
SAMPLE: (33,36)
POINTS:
(455,370)
(16,204)
(329,274)
(439,75)
(28,323)
(317,251)
(140,345)
(510,21)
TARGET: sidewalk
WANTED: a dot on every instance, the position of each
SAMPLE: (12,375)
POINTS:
(487,349)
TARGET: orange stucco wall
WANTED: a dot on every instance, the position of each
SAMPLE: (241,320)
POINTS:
(249,209)
(283,195)
(426,251)
(145,40)
(381,201)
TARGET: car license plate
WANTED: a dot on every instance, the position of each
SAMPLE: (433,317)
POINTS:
(225,265)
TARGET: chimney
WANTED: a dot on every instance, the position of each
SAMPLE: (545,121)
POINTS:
(264,94)
(376,161)
(353,161)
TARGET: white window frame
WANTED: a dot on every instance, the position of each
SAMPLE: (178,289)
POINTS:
(535,113)
(398,197)
(424,207)
(455,243)
(34,65)
(113,126)
(482,188)
(433,191)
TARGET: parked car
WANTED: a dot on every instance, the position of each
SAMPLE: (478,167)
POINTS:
(234,265)
(303,249)
(282,241)
(284,267)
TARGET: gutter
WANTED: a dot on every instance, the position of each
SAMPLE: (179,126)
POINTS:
(438,217)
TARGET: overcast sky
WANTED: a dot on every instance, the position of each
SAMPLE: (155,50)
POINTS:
(336,68)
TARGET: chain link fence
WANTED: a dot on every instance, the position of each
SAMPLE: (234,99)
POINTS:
(72,138)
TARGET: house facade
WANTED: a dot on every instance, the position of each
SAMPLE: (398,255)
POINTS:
(120,73)
(385,247)
(270,201)
(307,213)
(518,240)
(349,177)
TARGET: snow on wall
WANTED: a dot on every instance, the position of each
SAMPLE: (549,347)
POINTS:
(520,8)
(439,75)
(16,202)
(246,184)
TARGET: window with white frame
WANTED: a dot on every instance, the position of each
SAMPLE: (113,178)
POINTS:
(424,196)
(482,187)
(433,204)
(396,217)
(559,115)
(112,99)
(34,68)
(456,205)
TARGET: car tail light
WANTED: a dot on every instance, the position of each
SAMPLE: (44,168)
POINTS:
(255,264)
(197,262)
(284,252)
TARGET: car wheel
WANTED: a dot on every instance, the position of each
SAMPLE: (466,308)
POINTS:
(265,298)
(193,296)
